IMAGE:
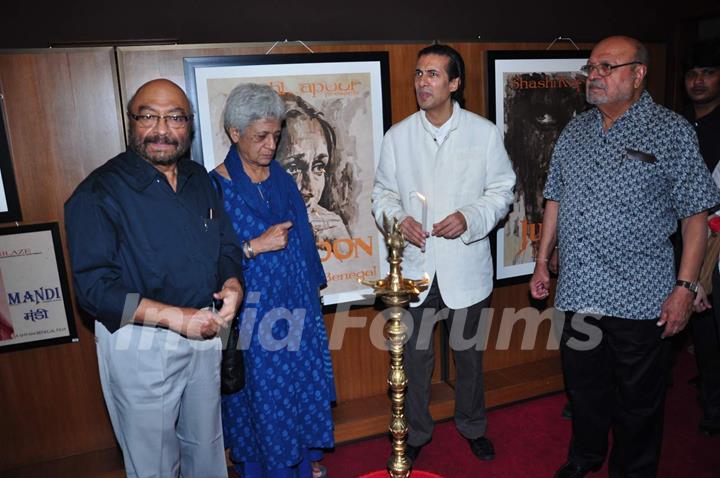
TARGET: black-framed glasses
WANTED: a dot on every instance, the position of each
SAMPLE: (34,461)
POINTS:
(173,121)
(604,69)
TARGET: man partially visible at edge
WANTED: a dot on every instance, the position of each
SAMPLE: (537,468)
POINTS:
(702,85)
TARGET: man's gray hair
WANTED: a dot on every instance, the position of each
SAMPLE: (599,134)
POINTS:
(250,102)
(641,53)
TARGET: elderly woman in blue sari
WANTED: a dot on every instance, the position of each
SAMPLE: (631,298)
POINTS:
(278,423)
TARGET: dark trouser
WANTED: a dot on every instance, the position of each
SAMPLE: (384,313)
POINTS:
(419,357)
(618,384)
(706,337)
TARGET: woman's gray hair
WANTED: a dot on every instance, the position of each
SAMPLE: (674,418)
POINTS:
(250,102)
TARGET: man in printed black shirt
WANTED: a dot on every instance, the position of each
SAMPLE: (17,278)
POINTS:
(621,176)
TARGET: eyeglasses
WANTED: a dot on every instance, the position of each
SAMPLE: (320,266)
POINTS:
(173,121)
(604,69)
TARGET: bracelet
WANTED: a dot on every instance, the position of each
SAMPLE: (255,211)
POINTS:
(248,250)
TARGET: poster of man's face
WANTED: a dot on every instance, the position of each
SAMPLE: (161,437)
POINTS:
(535,101)
(538,106)
(329,144)
(308,151)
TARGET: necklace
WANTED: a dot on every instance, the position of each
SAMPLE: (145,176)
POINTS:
(260,190)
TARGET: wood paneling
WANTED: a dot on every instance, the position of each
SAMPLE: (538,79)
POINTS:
(65,112)
(354,355)
(371,416)
(62,112)
(107,463)
(359,361)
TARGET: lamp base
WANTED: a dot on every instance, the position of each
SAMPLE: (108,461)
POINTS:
(413,474)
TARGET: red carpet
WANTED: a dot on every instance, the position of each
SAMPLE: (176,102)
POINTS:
(531,440)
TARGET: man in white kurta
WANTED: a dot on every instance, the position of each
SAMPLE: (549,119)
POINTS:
(456,160)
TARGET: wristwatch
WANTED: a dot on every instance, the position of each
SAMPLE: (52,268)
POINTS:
(691,286)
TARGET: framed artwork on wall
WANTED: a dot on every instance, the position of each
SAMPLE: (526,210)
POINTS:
(35,307)
(9,201)
(532,96)
(348,95)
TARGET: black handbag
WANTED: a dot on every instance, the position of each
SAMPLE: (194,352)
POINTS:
(232,366)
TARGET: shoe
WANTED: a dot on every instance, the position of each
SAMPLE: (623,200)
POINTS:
(412,452)
(567,411)
(573,470)
(320,472)
(482,448)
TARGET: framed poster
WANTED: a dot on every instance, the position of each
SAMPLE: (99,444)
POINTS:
(35,304)
(9,201)
(532,96)
(347,95)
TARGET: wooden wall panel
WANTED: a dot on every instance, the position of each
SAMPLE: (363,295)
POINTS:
(354,356)
(63,122)
(360,365)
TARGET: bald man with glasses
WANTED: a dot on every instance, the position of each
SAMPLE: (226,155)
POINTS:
(621,176)
(151,249)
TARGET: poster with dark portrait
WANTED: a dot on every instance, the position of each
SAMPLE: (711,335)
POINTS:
(336,113)
(533,95)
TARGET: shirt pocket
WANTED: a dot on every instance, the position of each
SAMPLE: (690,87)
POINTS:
(637,184)
(638,172)
(209,239)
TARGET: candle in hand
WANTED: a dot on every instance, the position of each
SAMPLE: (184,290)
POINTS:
(424,211)
(423,201)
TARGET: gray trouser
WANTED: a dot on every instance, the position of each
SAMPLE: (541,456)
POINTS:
(163,395)
(470,418)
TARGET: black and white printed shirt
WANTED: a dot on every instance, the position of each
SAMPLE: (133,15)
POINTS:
(621,193)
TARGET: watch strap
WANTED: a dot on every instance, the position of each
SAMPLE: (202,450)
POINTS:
(691,286)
